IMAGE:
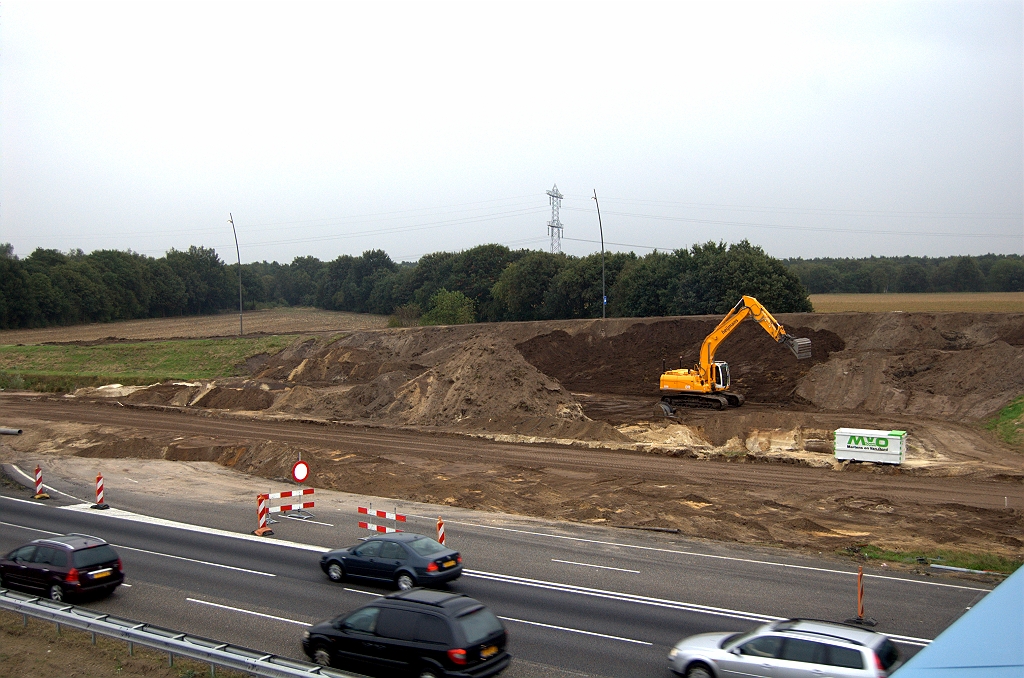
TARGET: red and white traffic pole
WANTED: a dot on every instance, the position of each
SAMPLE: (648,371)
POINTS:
(99,493)
(262,514)
(39,485)
(860,592)
(440,530)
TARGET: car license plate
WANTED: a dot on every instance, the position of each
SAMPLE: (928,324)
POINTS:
(449,563)
(488,651)
(101,573)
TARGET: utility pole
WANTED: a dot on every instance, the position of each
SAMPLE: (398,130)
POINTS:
(238,254)
(604,296)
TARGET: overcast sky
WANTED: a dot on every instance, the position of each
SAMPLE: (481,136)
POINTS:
(811,129)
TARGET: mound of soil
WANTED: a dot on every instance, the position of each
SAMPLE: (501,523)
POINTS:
(251,398)
(631,363)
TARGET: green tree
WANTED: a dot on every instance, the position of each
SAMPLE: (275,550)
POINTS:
(819,278)
(520,289)
(208,285)
(1007,275)
(646,285)
(912,278)
(449,308)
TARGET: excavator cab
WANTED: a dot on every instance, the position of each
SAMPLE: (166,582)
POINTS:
(721,375)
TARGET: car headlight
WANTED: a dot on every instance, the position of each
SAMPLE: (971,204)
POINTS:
(672,654)
(305,635)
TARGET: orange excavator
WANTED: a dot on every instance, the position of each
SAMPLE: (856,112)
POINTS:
(707,383)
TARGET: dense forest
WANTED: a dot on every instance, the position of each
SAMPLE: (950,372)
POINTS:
(486,283)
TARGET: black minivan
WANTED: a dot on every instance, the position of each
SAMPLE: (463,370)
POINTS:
(419,632)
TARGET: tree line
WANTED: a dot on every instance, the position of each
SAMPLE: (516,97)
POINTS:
(988,273)
(488,283)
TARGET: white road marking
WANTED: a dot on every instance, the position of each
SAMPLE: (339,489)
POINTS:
(149,520)
(244,611)
(368,593)
(193,560)
(585,633)
(601,567)
(623,597)
(134,481)
(709,555)
(751,616)
(33,529)
(45,486)
(307,520)
(128,585)
(646,600)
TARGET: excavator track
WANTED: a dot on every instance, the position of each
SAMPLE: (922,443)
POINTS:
(712,401)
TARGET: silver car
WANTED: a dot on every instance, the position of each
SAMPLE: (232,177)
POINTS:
(794,648)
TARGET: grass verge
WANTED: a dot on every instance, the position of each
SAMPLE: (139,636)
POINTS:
(971,561)
(38,649)
(66,367)
(1008,425)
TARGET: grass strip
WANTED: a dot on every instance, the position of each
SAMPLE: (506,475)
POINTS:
(62,367)
(38,649)
(971,561)
(1008,425)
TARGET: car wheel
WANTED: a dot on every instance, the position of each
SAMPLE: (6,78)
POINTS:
(322,656)
(699,671)
(57,593)
(2,581)
(404,581)
(335,572)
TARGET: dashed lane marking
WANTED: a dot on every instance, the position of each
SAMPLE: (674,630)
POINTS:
(600,567)
(252,612)
(711,555)
(571,630)
(193,560)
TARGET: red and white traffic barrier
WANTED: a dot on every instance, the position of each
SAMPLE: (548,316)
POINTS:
(386,515)
(39,485)
(440,530)
(377,528)
(292,507)
(291,493)
(99,493)
(262,514)
(264,509)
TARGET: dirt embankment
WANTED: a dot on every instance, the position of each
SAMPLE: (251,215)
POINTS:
(594,384)
(596,381)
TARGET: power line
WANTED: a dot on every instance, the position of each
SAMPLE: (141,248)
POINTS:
(814,210)
(824,229)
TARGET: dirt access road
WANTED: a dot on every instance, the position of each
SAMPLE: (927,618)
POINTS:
(779,504)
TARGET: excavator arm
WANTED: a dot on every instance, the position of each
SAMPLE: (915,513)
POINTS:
(747,307)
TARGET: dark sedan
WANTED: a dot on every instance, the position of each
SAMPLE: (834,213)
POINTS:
(402,558)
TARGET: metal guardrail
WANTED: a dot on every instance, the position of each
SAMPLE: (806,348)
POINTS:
(174,643)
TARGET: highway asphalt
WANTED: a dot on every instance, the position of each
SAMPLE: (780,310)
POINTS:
(576,599)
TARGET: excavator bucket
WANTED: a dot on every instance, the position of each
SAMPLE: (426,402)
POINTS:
(801,347)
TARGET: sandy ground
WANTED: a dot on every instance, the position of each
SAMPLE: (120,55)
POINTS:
(582,393)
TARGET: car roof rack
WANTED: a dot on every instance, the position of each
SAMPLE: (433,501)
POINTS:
(426,596)
(789,624)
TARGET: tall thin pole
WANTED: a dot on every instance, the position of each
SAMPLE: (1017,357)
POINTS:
(231,219)
(604,297)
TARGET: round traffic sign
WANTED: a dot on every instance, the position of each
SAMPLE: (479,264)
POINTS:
(300,471)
